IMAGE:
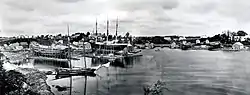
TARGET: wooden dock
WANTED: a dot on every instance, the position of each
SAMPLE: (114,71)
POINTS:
(111,57)
(162,45)
(50,58)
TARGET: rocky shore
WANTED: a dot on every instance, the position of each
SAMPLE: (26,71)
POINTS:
(16,57)
(35,81)
(21,81)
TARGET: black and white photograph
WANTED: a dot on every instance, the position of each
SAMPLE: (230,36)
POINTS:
(124,47)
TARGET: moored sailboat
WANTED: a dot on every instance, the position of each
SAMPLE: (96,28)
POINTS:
(61,72)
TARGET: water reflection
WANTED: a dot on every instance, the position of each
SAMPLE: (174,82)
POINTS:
(62,64)
(91,62)
(99,84)
(185,72)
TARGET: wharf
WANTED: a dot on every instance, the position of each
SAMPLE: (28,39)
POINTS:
(162,45)
(50,58)
(111,57)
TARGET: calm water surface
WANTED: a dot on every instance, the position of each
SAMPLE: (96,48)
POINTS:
(185,72)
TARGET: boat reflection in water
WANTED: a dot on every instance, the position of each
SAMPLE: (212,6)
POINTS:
(185,72)
(69,90)
(100,82)
(49,63)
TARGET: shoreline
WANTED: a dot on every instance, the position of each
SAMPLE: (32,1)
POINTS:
(34,81)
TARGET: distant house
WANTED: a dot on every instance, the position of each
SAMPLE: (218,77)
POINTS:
(182,38)
(207,41)
(87,47)
(167,38)
(24,44)
(174,38)
(240,38)
(173,45)
(147,45)
(238,46)
(192,39)
(197,41)
(76,43)
(60,42)
(184,42)
(215,43)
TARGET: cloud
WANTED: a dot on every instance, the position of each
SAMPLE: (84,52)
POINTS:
(133,5)
(139,17)
(70,1)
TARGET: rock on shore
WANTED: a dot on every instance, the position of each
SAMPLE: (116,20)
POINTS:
(35,81)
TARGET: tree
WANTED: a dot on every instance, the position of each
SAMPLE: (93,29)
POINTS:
(127,35)
(88,33)
(241,33)
(110,37)
(11,82)
(14,81)
(42,36)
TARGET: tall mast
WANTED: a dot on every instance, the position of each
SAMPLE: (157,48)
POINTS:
(84,51)
(96,27)
(85,86)
(69,52)
(107,29)
(69,60)
(116,27)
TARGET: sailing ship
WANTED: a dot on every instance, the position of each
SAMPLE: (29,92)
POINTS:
(61,72)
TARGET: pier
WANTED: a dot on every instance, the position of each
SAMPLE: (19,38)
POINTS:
(51,59)
(111,58)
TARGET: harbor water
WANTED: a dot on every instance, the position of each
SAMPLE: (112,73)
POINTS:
(185,73)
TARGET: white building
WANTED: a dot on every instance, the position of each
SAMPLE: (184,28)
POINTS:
(207,41)
(238,46)
(197,41)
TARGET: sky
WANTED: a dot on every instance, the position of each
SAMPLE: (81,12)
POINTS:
(138,17)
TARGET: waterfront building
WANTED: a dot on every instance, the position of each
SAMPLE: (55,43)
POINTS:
(197,41)
(167,38)
(173,45)
(238,46)
(184,42)
(207,41)
(192,37)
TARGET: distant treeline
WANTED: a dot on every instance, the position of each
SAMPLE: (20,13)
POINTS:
(155,40)
(226,37)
